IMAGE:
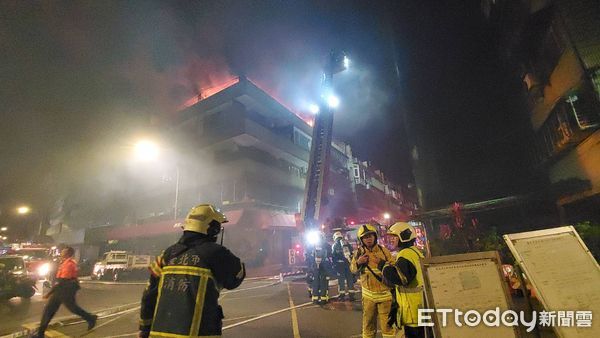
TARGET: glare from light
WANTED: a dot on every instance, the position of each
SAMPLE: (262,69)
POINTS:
(313,237)
(346,62)
(3,229)
(43,269)
(4,238)
(386,215)
(313,108)
(333,101)
(22,210)
(146,150)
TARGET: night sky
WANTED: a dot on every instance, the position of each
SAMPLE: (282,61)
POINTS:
(81,78)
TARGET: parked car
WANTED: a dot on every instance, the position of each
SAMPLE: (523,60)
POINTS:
(14,280)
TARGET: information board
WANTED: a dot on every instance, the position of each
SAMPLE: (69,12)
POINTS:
(466,282)
(564,274)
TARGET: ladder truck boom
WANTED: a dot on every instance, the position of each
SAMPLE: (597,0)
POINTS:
(316,185)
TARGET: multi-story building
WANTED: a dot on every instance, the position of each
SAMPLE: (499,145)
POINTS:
(555,45)
(243,151)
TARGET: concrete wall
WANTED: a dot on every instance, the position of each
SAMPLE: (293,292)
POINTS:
(583,162)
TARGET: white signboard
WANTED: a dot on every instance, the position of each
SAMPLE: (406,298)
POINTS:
(466,282)
(565,276)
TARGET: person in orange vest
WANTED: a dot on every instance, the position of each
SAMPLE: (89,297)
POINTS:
(63,292)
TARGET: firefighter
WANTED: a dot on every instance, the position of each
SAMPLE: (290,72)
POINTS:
(342,255)
(181,298)
(368,261)
(320,268)
(63,292)
(407,277)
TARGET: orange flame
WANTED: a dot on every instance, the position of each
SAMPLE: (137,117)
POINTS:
(207,92)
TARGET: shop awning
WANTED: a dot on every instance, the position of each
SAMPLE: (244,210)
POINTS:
(238,217)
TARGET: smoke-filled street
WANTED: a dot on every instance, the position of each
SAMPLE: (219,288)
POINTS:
(261,307)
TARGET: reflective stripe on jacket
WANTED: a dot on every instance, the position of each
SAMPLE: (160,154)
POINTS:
(410,297)
(181,299)
(372,288)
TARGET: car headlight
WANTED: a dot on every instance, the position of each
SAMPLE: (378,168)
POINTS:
(43,269)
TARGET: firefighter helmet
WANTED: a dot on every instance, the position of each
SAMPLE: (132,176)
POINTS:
(336,235)
(200,217)
(404,231)
(366,229)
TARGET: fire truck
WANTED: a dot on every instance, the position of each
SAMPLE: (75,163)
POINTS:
(40,259)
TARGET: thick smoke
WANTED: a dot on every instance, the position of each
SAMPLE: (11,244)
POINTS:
(83,77)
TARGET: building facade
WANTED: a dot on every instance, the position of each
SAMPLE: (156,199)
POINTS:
(243,151)
(555,47)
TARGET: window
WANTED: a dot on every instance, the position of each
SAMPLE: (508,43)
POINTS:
(302,139)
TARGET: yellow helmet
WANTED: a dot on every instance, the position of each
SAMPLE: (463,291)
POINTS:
(404,231)
(366,229)
(200,218)
(337,234)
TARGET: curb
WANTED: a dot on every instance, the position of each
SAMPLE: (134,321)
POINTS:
(30,328)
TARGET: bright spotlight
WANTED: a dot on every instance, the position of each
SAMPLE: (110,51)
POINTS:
(314,108)
(146,150)
(22,210)
(346,62)
(43,270)
(313,237)
(333,101)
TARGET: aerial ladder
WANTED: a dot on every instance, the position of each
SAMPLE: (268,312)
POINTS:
(316,186)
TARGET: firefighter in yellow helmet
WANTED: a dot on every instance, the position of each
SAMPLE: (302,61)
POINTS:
(407,277)
(376,296)
(181,299)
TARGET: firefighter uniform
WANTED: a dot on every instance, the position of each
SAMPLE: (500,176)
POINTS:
(321,268)
(342,255)
(181,299)
(376,296)
(407,276)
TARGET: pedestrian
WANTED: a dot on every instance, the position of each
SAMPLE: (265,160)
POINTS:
(65,287)
(376,296)
(181,299)
(406,275)
(342,255)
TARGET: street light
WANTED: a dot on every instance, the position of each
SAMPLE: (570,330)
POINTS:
(146,150)
(386,216)
(23,210)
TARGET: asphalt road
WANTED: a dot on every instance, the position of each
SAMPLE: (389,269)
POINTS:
(258,308)
(92,297)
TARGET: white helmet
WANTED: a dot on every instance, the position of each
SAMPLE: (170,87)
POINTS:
(336,235)
(404,231)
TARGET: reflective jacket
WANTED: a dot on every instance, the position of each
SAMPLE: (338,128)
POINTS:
(407,276)
(181,299)
(371,279)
